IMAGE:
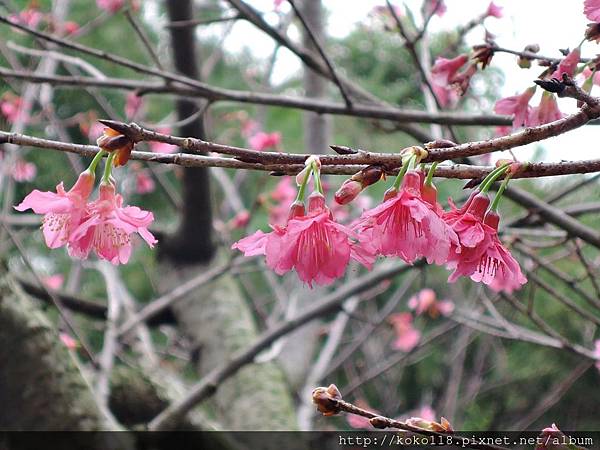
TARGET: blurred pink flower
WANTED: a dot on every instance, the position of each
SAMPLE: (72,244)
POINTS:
(69,342)
(435,6)
(407,337)
(494,11)
(11,107)
(70,27)
(133,103)
(263,141)
(283,195)
(360,422)
(54,282)
(30,17)
(591,9)
(240,220)
(517,106)
(425,301)
(568,65)
(111,6)
(249,128)
(23,171)
(546,112)
(597,353)
(108,226)
(63,211)
(162,147)
(426,412)
(144,183)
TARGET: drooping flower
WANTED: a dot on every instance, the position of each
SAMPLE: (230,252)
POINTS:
(263,141)
(63,211)
(407,336)
(111,6)
(568,65)
(108,226)
(494,10)
(591,9)
(483,258)
(425,301)
(23,171)
(318,248)
(405,225)
(517,106)
(444,75)
(546,112)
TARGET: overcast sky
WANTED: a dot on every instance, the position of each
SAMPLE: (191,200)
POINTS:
(550,24)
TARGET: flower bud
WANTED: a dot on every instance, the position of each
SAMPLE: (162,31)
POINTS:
(326,400)
(379,422)
(296,210)
(348,191)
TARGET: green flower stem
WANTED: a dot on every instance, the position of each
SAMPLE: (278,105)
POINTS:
(302,189)
(501,190)
(97,157)
(492,177)
(429,178)
(108,168)
(407,163)
(317,174)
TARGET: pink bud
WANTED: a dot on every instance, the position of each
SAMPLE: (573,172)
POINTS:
(348,192)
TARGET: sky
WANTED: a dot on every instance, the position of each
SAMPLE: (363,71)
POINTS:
(550,24)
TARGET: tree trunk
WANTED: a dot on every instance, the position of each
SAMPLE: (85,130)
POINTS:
(216,317)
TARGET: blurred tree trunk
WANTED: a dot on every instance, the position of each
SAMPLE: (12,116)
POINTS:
(215,316)
(41,385)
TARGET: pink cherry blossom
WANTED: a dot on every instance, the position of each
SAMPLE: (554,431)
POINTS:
(591,9)
(407,337)
(444,70)
(162,147)
(69,342)
(568,65)
(483,258)
(144,183)
(435,6)
(263,141)
(23,171)
(546,112)
(318,248)
(133,103)
(70,27)
(517,106)
(54,282)
(11,107)
(108,226)
(63,211)
(111,6)
(425,301)
(405,225)
(249,128)
(494,11)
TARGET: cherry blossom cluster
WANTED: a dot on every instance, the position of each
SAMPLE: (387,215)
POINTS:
(103,225)
(409,224)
